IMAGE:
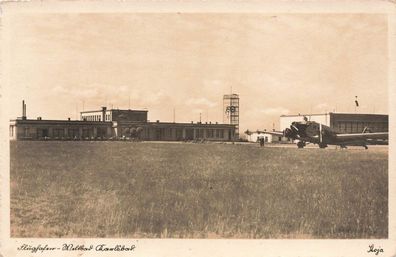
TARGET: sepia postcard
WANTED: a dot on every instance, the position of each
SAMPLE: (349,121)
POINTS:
(161,128)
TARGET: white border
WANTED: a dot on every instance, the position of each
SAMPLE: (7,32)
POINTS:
(205,247)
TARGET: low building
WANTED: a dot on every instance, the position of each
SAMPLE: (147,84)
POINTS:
(30,129)
(116,124)
(172,131)
(268,138)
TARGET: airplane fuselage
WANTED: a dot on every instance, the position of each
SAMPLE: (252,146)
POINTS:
(316,133)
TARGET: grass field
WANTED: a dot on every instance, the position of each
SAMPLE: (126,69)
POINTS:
(124,189)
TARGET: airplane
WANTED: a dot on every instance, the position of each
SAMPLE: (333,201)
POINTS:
(322,135)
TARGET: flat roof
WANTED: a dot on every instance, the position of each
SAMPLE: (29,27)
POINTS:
(336,113)
(302,115)
(82,122)
(177,123)
(61,121)
(115,110)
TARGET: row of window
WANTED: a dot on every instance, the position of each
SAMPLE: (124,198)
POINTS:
(60,132)
(92,117)
(101,132)
(199,133)
(162,133)
(357,127)
(96,117)
(210,133)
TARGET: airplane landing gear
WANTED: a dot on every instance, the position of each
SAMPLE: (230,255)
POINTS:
(300,144)
(321,145)
(365,147)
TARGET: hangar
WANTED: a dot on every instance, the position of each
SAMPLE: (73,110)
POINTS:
(339,122)
(116,124)
(342,122)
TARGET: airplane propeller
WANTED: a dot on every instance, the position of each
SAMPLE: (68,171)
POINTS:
(291,132)
(320,133)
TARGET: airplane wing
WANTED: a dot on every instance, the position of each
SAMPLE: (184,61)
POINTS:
(275,133)
(376,135)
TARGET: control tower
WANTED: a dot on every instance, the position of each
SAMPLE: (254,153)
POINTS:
(231,111)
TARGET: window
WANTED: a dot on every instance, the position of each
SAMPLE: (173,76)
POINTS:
(344,127)
(12,130)
(169,132)
(26,132)
(221,133)
(101,132)
(200,133)
(179,134)
(360,126)
(58,132)
(384,126)
(73,133)
(86,133)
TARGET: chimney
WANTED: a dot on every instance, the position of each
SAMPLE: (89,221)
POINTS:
(23,110)
(104,113)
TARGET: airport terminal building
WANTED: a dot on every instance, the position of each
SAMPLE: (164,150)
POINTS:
(107,124)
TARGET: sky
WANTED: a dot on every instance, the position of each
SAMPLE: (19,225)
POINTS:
(184,63)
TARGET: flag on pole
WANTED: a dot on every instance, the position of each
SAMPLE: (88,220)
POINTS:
(356,102)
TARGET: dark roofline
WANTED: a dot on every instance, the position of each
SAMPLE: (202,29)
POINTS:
(61,121)
(302,115)
(352,113)
(122,122)
(328,113)
(115,110)
(177,123)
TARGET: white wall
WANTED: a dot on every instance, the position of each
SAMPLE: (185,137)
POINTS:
(271,138)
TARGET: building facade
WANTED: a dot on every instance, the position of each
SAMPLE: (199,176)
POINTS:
(342,122)
(30,129)
(268,138)
(117,124)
